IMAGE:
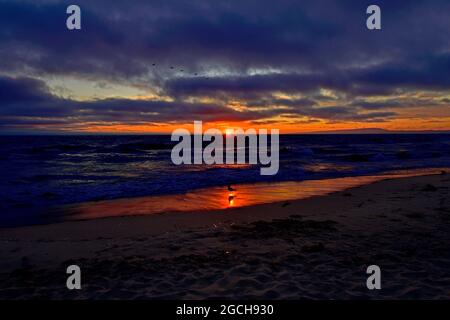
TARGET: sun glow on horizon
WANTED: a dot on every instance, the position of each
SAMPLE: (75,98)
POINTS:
(229,131)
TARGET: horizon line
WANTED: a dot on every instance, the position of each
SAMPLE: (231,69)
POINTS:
(366,131)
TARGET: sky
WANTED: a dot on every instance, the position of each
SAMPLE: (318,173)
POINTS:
(153,66)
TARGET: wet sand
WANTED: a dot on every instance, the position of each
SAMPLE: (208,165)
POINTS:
(316,248)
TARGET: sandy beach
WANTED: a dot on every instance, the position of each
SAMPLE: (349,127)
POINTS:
(314,248)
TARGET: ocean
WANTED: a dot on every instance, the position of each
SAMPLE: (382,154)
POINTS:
(39,173)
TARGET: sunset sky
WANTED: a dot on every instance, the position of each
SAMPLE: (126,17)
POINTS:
(152,66)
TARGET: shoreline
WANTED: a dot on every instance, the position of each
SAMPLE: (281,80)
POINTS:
(311,248)
(219,198)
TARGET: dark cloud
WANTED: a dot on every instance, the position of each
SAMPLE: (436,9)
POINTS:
(382,79)
(22,90)
(28,98)
(29,102)
(243,50)
(124,38)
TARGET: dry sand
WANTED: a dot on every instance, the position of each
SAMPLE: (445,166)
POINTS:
(316,248)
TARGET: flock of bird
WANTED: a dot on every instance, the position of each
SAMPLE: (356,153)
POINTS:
(173,68)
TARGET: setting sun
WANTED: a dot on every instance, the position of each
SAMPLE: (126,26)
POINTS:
(229,131)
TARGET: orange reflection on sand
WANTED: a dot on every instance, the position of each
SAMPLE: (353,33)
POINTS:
(222,198)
